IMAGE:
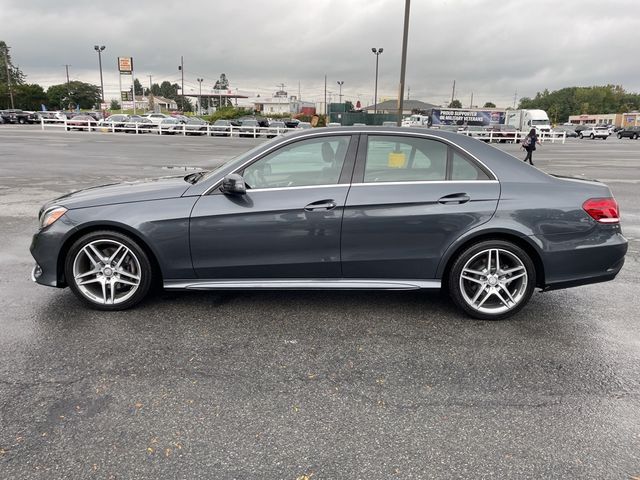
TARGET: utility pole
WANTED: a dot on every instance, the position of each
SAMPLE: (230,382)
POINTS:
(200,80)
(150,84)
(471,104)
(403,66)
(515,96)
(66,66)
(181,68)
(375,91)
(453,91)
(6,63)
(325,94)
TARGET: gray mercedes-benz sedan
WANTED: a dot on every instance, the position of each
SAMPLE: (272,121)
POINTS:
(339,208)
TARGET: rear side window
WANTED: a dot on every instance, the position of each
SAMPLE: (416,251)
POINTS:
(464,169)
(406,159)
(402,159)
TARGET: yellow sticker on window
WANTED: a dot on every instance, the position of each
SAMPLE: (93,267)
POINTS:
(396,160)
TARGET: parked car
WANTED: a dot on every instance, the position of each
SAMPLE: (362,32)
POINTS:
(138,124)
(170,126)
(250,127)
(389,124)
(221,127)
(82,122)
(113,122)
(195,126)
(579,128)
(569,131)
(156,118)
(629,132)
(334,124)
(276,127)
(46,116)
(303,125)
(502,133)
(14,115)
(411,209)
(594,132)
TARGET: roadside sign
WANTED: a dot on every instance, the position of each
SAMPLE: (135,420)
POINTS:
(125,65)
(126,96)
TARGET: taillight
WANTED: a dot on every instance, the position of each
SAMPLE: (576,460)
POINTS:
(603,210)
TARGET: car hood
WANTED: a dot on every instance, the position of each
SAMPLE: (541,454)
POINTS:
(126,192)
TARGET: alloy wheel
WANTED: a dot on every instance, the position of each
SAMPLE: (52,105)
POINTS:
(493,281)
(106,272)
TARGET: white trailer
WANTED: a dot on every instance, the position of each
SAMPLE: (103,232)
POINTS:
(525,120)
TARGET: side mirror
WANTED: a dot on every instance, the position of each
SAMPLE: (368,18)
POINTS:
(233,184)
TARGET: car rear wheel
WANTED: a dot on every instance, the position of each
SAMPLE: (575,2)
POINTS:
(108,270)
(492,280)
(592,136)
(635,137)
(619,136)
(580,135)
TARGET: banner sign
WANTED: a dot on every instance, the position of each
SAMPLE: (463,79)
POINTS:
(125,65)
(466,117)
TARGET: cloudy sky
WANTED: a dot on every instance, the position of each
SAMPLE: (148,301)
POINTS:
(492,48)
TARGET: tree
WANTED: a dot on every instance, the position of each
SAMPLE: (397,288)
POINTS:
(155,89)
(29,96)
(114,105)
(489,105)
(222,83)
(137,87)
(17,77)
(84,95)
(455,104)
(168,90)
(187,106)
(348,105)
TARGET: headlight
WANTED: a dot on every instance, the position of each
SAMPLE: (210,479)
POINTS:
(51,215)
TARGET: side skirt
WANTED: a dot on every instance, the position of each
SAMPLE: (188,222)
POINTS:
(301,284)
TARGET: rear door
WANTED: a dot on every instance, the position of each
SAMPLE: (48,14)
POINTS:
(412,196)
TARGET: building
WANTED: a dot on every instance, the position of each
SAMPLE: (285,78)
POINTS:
(597,119)
(282,104)
(408,107)
(160,103)
(631,119)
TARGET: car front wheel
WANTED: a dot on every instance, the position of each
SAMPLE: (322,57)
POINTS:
(580,135)
(492,280)
(108,270)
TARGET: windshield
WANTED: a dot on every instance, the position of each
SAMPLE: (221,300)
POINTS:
(539,122)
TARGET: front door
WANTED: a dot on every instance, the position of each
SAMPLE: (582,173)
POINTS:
(288,224)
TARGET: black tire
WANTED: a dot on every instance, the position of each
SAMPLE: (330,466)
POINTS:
(580,135)
(592,136)
(22,121)
(135,262)
(635,137)
(522,289)
(619,136)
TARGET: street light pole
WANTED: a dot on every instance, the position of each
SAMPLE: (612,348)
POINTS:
(340,83)
(200,80)
(100,49)
(375,92)
(403,65)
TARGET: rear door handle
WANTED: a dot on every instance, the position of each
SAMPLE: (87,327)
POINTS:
(321,205)
(454,198)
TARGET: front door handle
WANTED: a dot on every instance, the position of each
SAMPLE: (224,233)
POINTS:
(321,205)
(454,198)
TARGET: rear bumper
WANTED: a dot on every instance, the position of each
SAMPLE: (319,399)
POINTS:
(598,259)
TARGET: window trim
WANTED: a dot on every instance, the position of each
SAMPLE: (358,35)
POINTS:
(344,178)
(358,175)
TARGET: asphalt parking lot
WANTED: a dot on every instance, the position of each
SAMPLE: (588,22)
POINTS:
(306,385)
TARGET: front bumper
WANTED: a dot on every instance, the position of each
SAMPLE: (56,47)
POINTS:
(46,247)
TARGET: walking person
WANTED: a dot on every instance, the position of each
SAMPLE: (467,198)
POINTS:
(529,144)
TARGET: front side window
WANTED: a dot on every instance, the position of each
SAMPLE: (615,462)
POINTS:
(402,159)
(310,162)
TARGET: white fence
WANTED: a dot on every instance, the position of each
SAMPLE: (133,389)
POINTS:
(257,132)
(167,129)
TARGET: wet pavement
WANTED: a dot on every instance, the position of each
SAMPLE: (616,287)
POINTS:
(320,385)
